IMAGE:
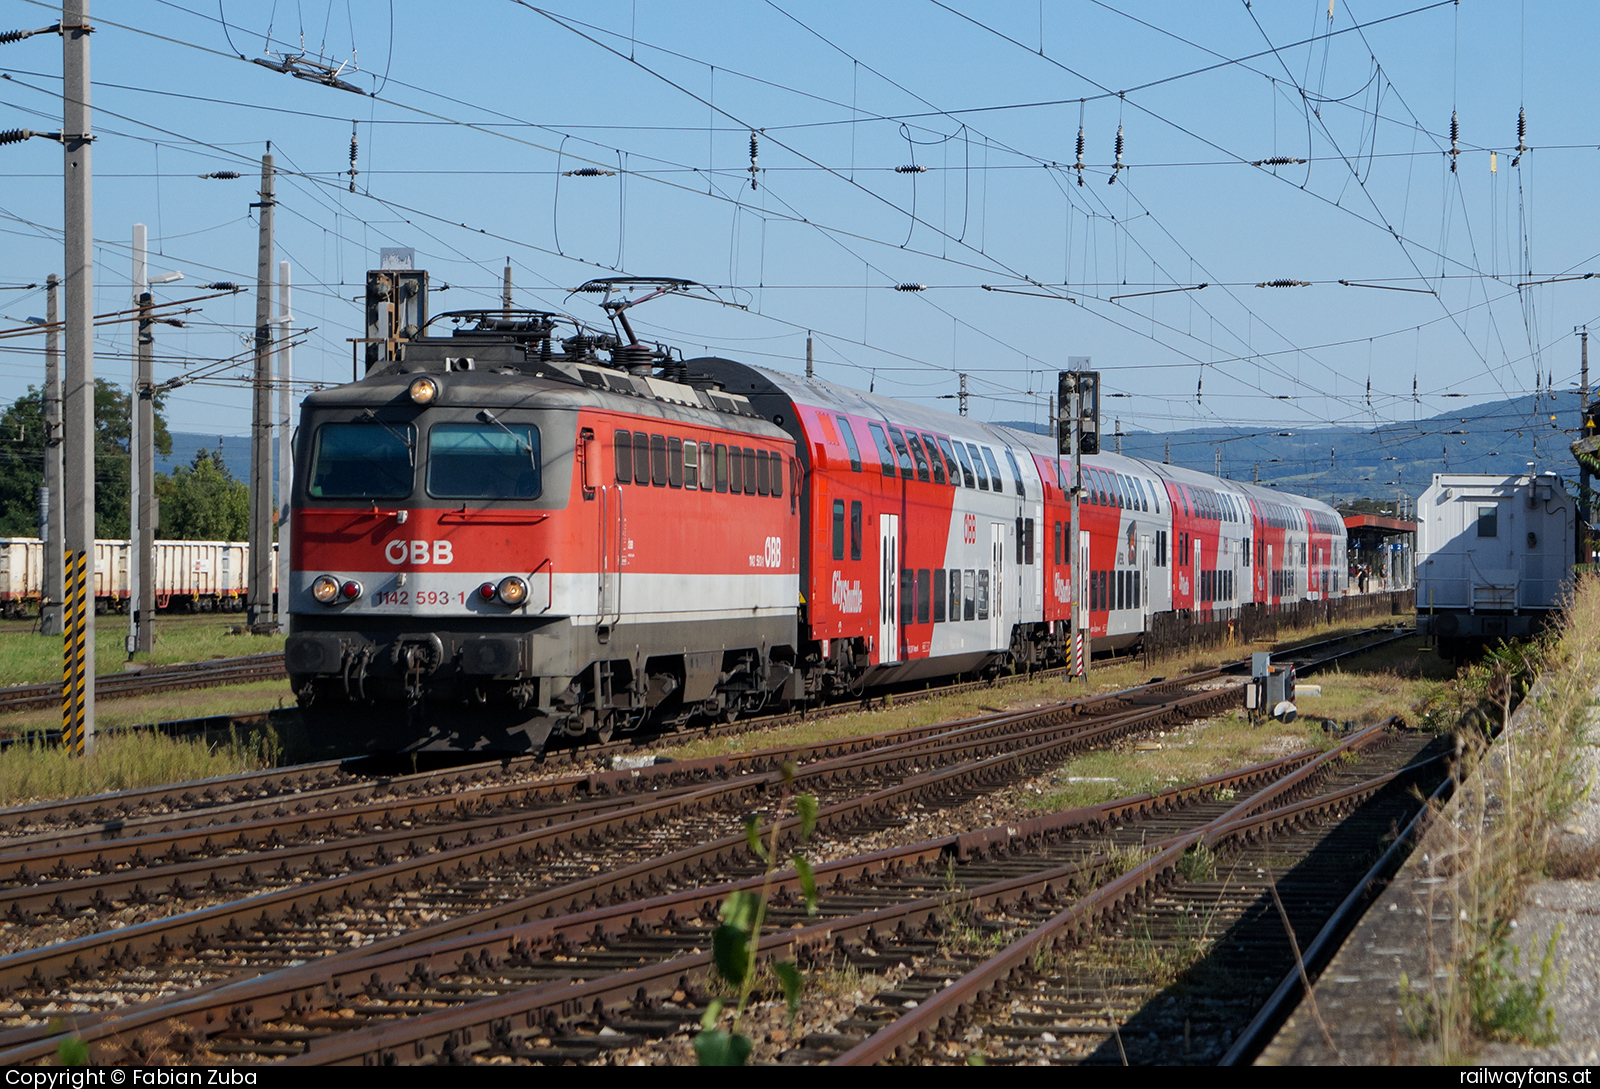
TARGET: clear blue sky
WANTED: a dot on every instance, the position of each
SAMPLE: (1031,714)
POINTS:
(481,107)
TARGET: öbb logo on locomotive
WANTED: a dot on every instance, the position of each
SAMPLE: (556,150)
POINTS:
(438,553)
(603,536)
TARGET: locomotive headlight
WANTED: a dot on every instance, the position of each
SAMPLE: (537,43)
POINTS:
(350,590)
(325,589)
(512,590)
(424,391)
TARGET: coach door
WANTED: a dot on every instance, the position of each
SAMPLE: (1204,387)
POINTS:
(1144,582)
(999,636)
(888,581)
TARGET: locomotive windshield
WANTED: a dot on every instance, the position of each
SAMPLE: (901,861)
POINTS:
(363,461)
(483,461)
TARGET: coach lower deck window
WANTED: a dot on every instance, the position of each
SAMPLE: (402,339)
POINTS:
(969,595)
(955,594)
(363,461)
(922,595)
(855,529)
(838,529)
(483,461)
(983,595)
(938,596)
(907,604)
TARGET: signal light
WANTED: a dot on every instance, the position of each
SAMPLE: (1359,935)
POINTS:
(351,590)
(325,589)
(513,591)
(487,591)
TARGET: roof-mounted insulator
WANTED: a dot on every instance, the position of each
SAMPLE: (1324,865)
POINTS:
(1285,283)
(911,287)
(1079,167)
(911,168)
(1279,160)
(1117,166)
(588,172)
(222,175)
(1522,134)
(754,148)
(353,148)
(1455,140)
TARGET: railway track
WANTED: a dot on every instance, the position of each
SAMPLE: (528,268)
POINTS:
(366,875)
(600,977)
(152,680)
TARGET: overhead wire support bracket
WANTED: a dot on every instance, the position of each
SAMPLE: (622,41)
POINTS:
(1030,294)
(1387,287)
(1162,291)
(315,71)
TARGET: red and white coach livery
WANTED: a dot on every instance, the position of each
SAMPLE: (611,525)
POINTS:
(501,535)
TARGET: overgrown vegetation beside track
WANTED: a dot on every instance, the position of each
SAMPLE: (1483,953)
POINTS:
(29,658)
(1500,831)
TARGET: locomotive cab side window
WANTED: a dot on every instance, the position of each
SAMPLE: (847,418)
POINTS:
(363,461)
(622,452)
(483,461)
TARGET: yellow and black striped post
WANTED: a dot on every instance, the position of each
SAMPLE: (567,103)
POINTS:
(76,728)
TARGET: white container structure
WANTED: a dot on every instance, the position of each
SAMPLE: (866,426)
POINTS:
(1494,556)
(190,576)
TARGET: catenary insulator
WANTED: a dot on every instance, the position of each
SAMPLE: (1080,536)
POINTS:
(589,172)
(1285,283)
(911,287)
(222,175)
(911,168)
(15,136)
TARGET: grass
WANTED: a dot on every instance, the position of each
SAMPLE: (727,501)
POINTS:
(1499,833)
(35,772)
(1107,676)
(162,707)
(29,658)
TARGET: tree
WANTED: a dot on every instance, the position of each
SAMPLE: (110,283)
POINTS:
(22,449)
(203,501)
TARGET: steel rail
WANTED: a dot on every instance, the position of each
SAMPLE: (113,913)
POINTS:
(1072,923)
(203,674)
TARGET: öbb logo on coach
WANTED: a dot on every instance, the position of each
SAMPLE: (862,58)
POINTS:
(438,553)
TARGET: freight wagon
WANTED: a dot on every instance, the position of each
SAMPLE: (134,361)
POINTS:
(191,576)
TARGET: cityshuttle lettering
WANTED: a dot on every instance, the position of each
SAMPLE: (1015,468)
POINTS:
(846,595)
(438,553)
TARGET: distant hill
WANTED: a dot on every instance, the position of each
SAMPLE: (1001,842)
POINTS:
(1348,462)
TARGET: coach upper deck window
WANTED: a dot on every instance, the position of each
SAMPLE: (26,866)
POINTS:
(906,470)
(916,452)
(1489,521)
(885,454)
(950,462)
(934,459)
(483,461)
(1016,474)
(363,461)
(849,438)
(966,466)
(994,469)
